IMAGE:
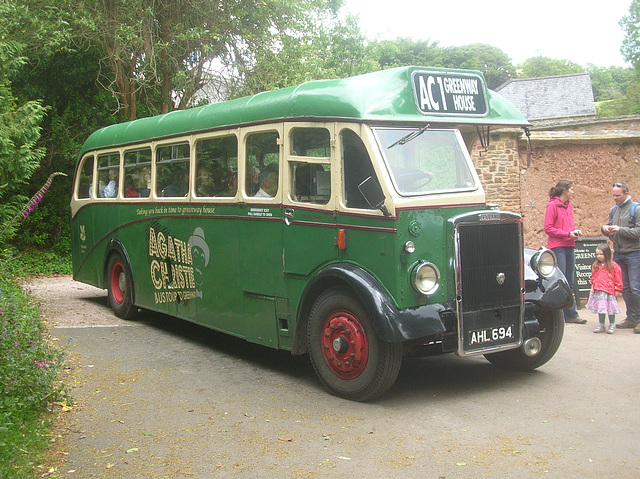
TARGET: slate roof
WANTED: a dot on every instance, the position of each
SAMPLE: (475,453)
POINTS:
(558,96)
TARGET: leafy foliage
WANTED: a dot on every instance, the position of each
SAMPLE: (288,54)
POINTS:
(629,104)
(542,66)
(403,51)
(19,132)
(610,83)
(29,378)
(630,23)
(332,48)
(10,225)
(491,61)
(162,53)
(66,82)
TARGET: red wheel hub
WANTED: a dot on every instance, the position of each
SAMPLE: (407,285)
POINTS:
(344,345)
(118,285)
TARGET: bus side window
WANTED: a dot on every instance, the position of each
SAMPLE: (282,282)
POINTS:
(217,167)
(172,170)
(137,173)
(356,167)
(85,179)
(263,165)
(311,181)
(108,175)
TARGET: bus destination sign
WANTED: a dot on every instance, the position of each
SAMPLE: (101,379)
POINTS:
(449,93)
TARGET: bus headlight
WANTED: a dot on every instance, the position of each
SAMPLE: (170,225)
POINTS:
(544,262)
(425,278)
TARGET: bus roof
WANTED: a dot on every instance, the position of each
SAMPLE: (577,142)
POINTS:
(389,96)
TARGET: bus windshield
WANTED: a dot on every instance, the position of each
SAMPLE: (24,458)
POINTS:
(423,161)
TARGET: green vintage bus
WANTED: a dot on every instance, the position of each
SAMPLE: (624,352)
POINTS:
(339,218)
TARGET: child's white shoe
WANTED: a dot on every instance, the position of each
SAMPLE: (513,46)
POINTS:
(600,328)
(612,328)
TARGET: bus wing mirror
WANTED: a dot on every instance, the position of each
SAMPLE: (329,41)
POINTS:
(372,192)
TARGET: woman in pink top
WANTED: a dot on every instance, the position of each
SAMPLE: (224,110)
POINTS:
(559,226)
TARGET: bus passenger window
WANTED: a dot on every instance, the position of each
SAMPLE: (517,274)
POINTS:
(217,167)
(137,173)
(85,180)
(108,175)
(263,165)
(172,170)
(356,167)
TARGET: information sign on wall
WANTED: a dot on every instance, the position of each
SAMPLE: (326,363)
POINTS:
(585,256)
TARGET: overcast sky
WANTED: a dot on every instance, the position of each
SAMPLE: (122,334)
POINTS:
(578,30)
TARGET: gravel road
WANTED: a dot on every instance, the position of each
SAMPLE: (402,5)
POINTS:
(162,398)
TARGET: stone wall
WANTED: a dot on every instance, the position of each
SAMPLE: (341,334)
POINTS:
(499,169)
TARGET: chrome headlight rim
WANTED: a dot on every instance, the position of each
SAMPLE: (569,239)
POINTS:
(425,278)
(544,262)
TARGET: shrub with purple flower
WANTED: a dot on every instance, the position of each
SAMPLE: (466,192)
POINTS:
(30,361)
(7,230)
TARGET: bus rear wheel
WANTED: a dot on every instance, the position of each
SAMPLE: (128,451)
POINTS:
(348,357)
(119,287)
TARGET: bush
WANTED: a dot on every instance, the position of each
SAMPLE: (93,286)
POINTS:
(38,263)
(29,379)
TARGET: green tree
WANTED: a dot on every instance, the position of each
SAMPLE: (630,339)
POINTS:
(491,61)
(403,52)
(539,66)
(163,52)
(630,23)
(610,83)
(66,82)
(333,48)
(19,133)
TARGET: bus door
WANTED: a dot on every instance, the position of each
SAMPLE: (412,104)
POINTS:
(214,236)
(174,231)
(83,231)
(260,232)
(309,234)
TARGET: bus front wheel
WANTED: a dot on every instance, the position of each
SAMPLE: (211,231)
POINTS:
(119,287)
(551,332)
(348,357)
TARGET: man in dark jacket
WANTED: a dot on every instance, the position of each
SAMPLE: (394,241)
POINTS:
(623,229)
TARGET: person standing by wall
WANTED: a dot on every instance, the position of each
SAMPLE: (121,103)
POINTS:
(560,228)
(623,229)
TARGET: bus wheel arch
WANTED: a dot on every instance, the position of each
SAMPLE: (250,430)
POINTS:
(118,280)
(349,357)
(309,298)
(363,286)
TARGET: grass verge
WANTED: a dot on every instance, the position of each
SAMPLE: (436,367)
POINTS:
(30,365)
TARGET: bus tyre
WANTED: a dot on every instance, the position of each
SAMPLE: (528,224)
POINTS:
(119,286)
(348,357)
(551,332)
